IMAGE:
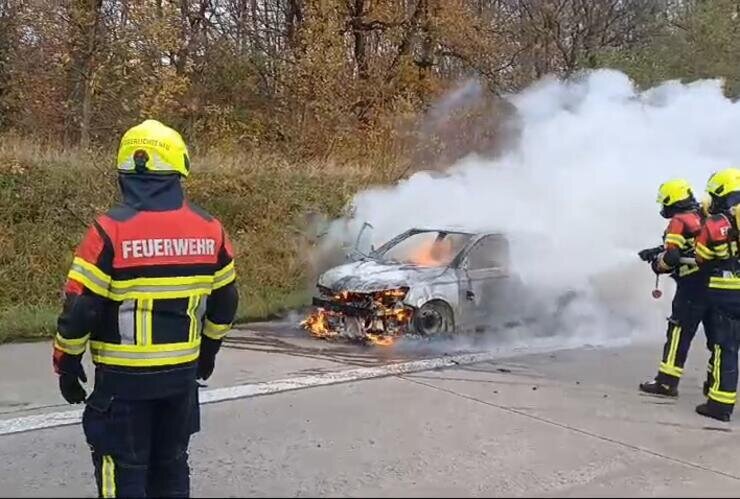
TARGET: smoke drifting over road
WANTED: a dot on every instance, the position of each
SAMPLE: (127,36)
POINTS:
(576,192)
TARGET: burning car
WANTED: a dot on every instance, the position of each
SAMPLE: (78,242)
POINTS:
(425,282)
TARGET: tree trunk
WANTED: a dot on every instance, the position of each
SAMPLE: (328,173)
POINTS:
(242,33)
(426,61)
(359,34)
(294,20)
(85,15)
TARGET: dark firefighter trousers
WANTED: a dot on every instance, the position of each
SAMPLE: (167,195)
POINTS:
(689,308)
(724,322)
(139,447)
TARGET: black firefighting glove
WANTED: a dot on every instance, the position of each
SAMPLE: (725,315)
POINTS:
(672,257)
(69,369)
(69,385)
(207,360)
(650,254)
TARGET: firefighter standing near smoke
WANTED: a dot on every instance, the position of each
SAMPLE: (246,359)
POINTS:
(152,291)
(689,303)
(717,251)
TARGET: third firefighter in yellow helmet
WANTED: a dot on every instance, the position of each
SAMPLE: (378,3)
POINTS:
(723,188)
(717,254)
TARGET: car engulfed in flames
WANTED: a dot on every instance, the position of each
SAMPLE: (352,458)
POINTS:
(374,317)
(422,283)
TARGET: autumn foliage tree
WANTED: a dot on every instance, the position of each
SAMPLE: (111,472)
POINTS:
(320,78)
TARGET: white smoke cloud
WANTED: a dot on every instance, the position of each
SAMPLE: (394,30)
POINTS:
(577,193)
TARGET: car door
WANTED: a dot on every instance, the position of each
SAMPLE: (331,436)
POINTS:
(483,288)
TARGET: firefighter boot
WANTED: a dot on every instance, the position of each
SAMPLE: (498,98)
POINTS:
(654,387)
(715,410)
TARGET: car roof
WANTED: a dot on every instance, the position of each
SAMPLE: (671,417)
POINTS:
(454,229)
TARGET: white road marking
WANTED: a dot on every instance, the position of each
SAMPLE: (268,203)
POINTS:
(212,396)
(40,421)
(284,385)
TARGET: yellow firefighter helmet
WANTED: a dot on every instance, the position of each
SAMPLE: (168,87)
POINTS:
(152,147)
(674,191)
(724,182)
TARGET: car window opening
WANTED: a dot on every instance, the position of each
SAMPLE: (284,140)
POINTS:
(426,249)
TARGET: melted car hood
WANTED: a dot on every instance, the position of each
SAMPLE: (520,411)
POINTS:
(370,275)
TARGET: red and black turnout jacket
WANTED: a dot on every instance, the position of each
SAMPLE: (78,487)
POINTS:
(151,280)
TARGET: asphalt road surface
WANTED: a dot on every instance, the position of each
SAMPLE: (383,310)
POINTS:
(291,416)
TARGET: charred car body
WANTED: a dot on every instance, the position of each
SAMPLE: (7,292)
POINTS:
(426,282)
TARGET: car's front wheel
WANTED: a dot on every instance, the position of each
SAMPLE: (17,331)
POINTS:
(434,319)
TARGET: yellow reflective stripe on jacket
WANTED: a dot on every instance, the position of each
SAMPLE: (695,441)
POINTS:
(160,287)
(144,356)
(722,250)
(675,239)
(685,270)
(89,276)
(74,346)
(704,252)
(102,284)
(724,282)
(194,322)
(144,309)
(224,276)
(216,331)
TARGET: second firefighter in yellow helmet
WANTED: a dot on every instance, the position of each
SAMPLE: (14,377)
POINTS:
(678,204)
(717,252)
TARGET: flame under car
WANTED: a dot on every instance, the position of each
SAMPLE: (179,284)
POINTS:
(424,282)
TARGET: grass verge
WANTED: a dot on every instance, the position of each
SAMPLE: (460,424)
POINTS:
(49,196)
(27,323)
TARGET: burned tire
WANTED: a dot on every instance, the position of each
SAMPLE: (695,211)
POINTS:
(434,319)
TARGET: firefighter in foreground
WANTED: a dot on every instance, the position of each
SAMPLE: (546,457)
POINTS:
(152,291)
(717,251)
(689,306)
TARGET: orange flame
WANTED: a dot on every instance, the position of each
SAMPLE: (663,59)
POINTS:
(433,253)
(318,324)
(380,339)
(389,319)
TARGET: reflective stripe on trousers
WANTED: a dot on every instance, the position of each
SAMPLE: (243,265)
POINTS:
(668,366)
(108,477)
(716,391)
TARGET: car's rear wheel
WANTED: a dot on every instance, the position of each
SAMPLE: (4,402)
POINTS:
(434,319)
